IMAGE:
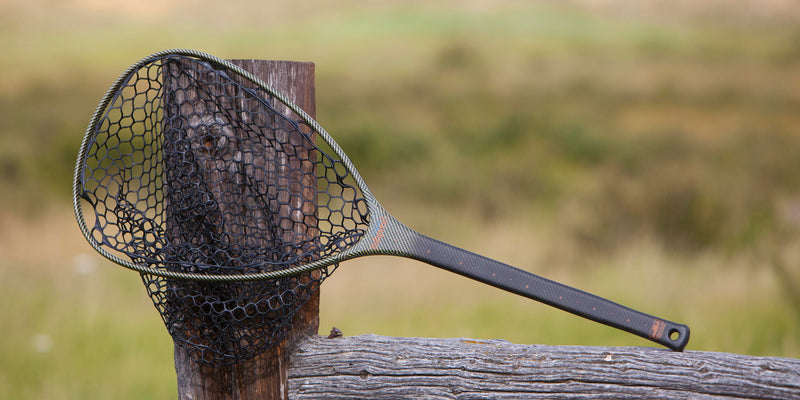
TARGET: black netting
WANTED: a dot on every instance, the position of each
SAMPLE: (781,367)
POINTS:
(192,168)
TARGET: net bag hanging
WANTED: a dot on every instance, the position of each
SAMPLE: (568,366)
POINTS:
(191,169)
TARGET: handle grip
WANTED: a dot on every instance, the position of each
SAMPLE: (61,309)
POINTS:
(666,333)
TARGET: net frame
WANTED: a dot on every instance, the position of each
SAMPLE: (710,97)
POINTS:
(371,205)
(195,173)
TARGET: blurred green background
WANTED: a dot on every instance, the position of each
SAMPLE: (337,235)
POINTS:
(643,151)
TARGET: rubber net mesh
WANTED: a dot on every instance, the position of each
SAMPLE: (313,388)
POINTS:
(193,168)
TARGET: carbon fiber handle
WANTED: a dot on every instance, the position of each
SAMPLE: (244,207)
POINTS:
(514,280)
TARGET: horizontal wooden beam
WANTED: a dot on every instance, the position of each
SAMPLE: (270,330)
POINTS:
(379,367)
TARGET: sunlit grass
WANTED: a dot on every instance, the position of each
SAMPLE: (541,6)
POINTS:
(76,326)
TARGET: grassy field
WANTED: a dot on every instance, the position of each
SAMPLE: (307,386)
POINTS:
(641,152)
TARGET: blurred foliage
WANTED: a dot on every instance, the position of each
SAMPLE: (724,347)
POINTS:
(680,124)
(640,138)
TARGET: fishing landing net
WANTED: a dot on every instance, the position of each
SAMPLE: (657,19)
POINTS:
(191,169)
(228,199)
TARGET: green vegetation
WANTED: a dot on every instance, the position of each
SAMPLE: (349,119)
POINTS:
(641,152)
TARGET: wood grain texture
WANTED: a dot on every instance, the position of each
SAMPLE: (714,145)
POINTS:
(378,367)
(295,80)
(265,375)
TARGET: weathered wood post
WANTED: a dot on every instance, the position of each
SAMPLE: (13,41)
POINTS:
(265,375)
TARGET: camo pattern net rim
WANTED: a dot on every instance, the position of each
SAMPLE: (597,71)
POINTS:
(193,168)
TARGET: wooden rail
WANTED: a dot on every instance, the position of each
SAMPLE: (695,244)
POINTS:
(379,367)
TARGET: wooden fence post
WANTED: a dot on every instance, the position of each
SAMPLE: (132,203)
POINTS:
(264,376)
